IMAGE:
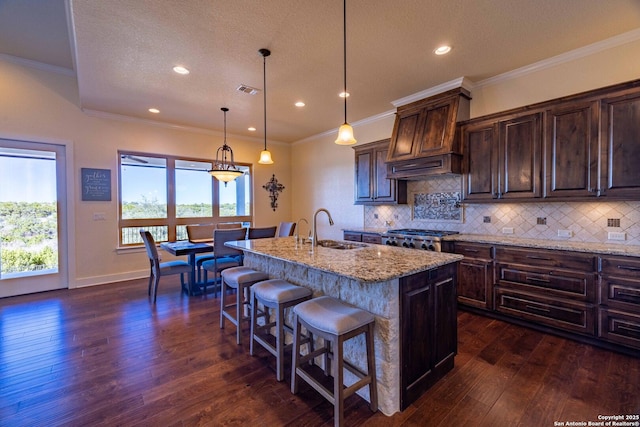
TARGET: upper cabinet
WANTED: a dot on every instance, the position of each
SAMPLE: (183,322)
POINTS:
(574,148)
(423,137)
(371,183)
(502,158)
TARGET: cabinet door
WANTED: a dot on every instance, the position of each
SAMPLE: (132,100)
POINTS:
(475,275)
(480,158)
(384,189)
(406,132)
(519,160)
(438,126)
(364,180)
(621,145)
(571,162)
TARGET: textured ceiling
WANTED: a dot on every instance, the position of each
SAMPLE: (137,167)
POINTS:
(123,51)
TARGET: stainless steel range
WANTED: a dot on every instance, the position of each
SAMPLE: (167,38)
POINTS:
(415,238)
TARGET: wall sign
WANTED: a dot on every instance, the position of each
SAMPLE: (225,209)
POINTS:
(96,184)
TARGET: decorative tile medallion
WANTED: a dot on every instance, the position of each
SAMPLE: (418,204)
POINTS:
(437,206)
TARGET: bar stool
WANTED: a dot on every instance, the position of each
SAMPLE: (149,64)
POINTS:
(278,295)
(240,279)
(336,322)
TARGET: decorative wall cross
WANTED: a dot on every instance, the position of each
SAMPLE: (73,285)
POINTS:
(274,188)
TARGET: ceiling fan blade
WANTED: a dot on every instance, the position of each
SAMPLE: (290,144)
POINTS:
(134,158)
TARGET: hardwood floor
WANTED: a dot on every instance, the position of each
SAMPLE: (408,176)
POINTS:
(105,356)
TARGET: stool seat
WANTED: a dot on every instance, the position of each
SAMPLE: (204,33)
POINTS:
(236,276)
(239,278)
(278,295)
(279,291)
(333,316)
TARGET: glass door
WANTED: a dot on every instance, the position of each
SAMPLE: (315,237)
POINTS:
(33,229)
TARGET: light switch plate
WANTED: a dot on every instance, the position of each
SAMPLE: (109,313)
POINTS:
(565,233)
(507,230)
(617,235)
(99,216)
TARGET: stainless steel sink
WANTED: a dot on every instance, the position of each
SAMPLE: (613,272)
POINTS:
(335,244)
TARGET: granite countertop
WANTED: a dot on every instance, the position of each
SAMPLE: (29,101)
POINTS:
(589,247)
(371,263)
(367,230)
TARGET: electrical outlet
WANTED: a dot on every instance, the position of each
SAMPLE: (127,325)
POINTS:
(565,233)
(617,235)
(99,216)
(507,230)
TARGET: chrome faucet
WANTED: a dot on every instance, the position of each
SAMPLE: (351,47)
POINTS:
(314,231)
(296,235)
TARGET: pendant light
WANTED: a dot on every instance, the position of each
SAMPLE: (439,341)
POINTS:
(224,169)
(345,133)
(265,155)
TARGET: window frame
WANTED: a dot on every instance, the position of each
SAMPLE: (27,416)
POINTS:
(171,221)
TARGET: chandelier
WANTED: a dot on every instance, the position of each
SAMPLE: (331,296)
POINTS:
(224,169)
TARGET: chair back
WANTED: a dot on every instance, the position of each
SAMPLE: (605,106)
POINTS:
(220,237)
(200,233)
(262,232)
(228,225)
(286,229)
(150,245)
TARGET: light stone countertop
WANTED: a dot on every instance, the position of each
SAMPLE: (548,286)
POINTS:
(371,263)
(589,247)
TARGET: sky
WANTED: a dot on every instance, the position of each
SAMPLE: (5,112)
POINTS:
(27,180)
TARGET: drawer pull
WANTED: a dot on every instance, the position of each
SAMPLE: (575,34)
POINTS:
(628,294)
(536,279)
(533,307)
(628,267)
(629,328)
(471,250)
(541,258)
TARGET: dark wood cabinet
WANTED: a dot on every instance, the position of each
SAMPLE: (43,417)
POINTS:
(364,237)
(519,157)
(502,158)
(427,127)
(620,138)
(372,238)
(428,330)
(619,320)
(475,274)
(571,150)
(480,160)
(352,236)
(371,183)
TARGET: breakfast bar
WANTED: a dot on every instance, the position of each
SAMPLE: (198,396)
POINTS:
(410,293)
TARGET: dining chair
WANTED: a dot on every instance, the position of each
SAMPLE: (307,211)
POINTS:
(224,257)
(228,225)
(201,233)
(286,229)
(158,268)
(262,232)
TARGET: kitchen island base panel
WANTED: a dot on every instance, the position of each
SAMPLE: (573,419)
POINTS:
(381,299)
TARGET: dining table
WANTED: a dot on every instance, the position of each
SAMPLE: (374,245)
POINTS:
(190,249)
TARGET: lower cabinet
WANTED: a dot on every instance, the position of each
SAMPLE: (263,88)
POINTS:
(362,237)
(593,298)
(428,330)
(620,305)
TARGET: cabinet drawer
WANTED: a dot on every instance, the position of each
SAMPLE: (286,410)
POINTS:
(621,293)
(547,258)
(620,266)
(474,250)
(371,238)
(570,284)
(619,327)
(558,313)
(354,237)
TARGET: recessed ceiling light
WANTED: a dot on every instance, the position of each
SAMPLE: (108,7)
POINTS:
(180,70)
(442,50)
(154,110)
(251,129)
(343,94)
(300,104)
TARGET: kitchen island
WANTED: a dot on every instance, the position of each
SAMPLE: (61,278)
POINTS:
(412,295)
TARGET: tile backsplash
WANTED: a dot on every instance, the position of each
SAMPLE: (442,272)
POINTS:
(579,221)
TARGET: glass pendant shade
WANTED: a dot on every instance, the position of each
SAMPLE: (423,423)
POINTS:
(224,169)
(265,158)
(345,135)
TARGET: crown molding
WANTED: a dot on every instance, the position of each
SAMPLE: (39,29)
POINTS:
(462,82)
(37,65)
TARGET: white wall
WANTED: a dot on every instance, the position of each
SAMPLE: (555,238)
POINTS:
(318,159)
(38,105)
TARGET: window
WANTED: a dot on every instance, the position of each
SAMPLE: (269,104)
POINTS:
(163,194)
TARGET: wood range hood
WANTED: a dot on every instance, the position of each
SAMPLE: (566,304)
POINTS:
(423,142)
